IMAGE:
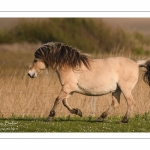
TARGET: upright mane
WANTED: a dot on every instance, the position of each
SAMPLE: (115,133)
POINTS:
(57,54)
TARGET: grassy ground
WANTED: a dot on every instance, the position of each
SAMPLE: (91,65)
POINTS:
(75,124)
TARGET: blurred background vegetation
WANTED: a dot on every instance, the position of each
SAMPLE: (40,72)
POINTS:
(88,34)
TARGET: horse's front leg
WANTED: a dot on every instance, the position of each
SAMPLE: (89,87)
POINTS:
(63,96)
(60,97)
(75,111)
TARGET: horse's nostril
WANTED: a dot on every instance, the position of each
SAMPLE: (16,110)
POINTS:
(29,75)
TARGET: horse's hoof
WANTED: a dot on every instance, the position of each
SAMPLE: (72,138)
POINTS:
(77,112)
(124,121)
(49,119)
(100,119)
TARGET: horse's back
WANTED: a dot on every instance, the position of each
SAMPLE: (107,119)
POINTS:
(124,66)
(106,74)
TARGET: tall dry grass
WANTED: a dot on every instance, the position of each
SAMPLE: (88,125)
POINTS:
(23,96)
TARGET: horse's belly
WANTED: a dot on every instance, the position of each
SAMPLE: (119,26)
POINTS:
(96,90)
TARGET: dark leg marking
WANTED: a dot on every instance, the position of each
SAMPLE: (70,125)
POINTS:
(102,117)
(77,112)
(51,115)
(124,120)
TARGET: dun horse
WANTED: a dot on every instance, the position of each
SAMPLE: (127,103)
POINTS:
(79,73)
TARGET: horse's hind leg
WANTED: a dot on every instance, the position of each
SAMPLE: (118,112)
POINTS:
(130,104)
(114,104)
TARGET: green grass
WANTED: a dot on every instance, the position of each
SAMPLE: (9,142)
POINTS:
(75,124)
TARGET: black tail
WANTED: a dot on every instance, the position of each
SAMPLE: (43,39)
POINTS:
(146,75)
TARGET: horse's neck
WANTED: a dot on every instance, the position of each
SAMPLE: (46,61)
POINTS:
(63,74)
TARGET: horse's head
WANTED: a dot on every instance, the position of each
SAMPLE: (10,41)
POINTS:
(37,67)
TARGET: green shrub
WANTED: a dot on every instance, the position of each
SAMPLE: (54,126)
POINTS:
(89,35)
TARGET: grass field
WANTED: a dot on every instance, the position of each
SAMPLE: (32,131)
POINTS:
(75,124)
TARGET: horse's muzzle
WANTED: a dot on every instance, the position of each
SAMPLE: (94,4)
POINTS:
(31,76)
(32,73)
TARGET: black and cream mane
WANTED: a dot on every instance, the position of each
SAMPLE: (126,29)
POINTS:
(56,54)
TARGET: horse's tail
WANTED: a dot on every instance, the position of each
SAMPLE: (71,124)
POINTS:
(145,64)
